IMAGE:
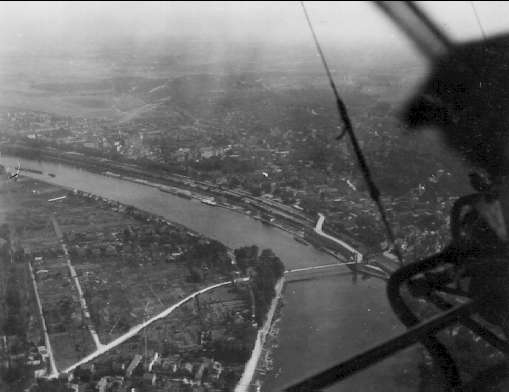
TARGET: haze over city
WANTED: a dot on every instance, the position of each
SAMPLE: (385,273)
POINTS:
(62,24)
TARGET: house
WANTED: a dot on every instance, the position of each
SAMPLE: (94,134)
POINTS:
(149,378)
(217,369)
(39,373)
(209,152)
(110,250)
(102,384)
(155,360)
(188,367)
(33,360)
(133,365)
(44,352)
(201,369)
(108,383)
(81,387)
(182,154)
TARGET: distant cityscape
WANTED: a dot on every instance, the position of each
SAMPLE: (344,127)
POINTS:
(295,161)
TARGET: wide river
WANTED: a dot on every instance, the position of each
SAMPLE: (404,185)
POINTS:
(322,321)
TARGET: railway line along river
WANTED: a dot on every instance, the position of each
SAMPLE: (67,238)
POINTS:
(322,321)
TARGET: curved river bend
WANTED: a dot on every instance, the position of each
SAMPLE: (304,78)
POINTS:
(322,321)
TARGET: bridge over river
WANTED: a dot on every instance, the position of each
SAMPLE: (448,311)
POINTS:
(355,261)
(318,271)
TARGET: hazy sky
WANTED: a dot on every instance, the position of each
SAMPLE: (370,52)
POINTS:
(24,23)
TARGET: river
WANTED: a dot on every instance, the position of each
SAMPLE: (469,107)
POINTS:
(322,321)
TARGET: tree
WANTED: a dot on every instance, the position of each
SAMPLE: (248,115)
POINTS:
(13,374)
(267,268)
(246,256)
(13,325)
(196,275)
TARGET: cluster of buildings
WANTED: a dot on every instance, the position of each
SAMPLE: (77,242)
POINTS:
(156,373)
(288,154)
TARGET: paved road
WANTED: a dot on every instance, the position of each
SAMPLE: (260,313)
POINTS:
(319,231)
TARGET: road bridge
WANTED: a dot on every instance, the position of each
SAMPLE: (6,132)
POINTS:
(319,271)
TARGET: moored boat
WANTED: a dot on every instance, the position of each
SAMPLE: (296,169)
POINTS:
(209,201)
(300,239)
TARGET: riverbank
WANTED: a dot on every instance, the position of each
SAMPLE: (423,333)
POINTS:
(281,216)
(157,172)
(251,365)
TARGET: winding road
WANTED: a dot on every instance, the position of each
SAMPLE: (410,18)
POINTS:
(319,231)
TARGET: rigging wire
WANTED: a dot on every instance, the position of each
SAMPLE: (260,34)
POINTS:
(341,135)
(478,19)
(373,190)
(428,38)
(432,27)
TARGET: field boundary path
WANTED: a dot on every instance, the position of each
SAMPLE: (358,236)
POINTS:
(74,276)
(53,367)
